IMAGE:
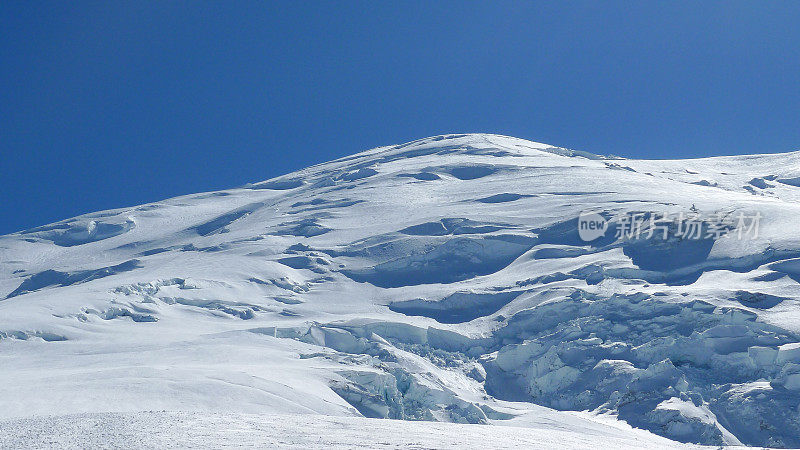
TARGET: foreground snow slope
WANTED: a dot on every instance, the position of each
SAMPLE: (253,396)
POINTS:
(164,430)
(440,280)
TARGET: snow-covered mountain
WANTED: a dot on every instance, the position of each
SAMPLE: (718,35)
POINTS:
(456,278)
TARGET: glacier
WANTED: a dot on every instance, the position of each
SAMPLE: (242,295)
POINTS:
(440,280)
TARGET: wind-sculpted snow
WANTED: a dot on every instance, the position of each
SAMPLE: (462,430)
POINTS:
(502,198)
(219,224)
(79,232)
(468,278)
(422,176)
(278,185)
(453,260)
(790,267)
(455,308)
(454,226)
(51,277)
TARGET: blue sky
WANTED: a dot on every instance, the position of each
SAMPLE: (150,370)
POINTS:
(111,104)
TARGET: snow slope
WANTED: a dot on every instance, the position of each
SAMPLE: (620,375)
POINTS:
(438,280)
(164,430)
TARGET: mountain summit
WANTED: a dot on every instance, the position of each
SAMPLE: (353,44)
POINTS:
(468,278)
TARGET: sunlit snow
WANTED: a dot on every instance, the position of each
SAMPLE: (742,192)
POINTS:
(442,280)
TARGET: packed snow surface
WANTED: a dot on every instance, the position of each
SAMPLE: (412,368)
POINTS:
(180,430)
(442,280)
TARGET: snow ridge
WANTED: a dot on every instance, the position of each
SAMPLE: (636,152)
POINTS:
(445,279)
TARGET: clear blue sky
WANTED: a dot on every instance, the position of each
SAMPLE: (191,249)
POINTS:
(110,104)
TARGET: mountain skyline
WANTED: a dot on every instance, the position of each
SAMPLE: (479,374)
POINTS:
(105,105)
(446,279)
